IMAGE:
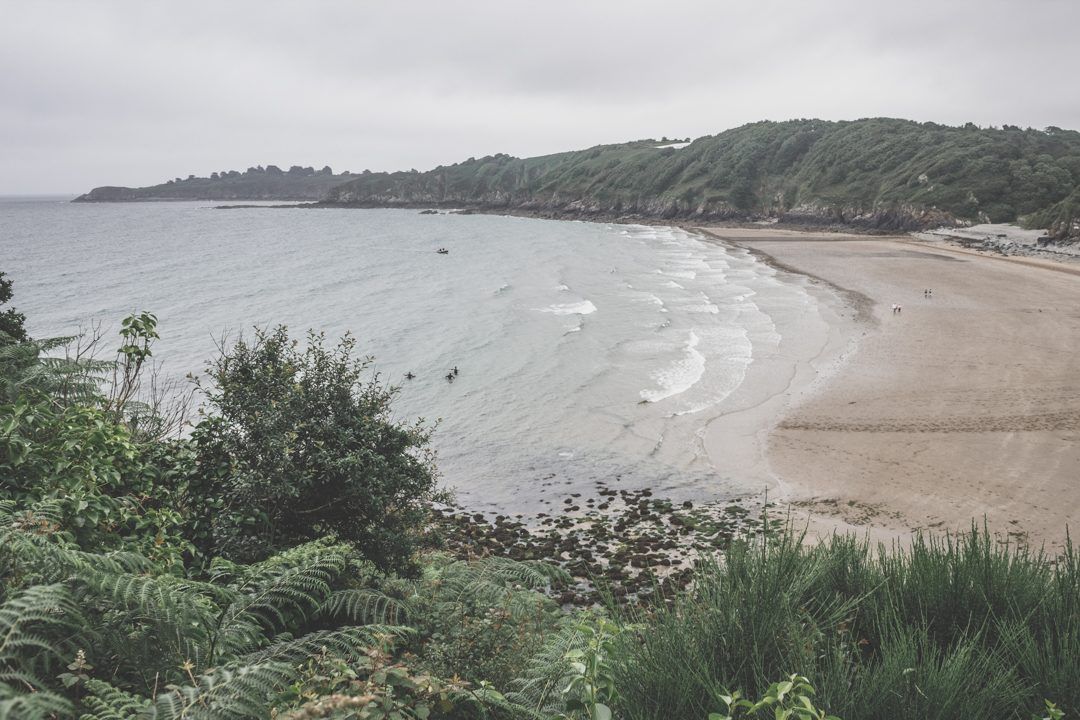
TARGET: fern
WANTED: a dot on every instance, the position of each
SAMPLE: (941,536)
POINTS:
(35,705)
(28,368)
(292,590)
(228,646)
(244,691)
(32,538)
(366,606)
(538,688)
(349,643)
(107,702)
(493,581)
(28,619)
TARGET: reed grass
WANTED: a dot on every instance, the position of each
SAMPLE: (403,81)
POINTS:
(948,627)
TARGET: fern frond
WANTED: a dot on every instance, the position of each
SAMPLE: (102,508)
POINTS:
(17,704)
(28,619)
(27,367)
(293,583)
(348,643)
(107,702)
(29,538)
(226,694)
(493,581)
(366,606)
(25,617)
(537,688)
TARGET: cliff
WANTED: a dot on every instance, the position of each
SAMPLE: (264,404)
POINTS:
(877,174)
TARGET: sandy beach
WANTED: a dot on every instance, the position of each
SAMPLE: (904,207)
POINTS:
(963,405)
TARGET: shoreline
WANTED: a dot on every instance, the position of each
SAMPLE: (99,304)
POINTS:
(964,408)
(812,350)
(951,415)
(851,474)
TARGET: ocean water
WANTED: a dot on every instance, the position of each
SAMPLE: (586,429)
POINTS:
(586,351)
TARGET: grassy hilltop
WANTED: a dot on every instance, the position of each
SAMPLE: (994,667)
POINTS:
(879,173)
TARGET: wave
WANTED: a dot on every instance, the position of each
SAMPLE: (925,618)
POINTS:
(577,328)
(653,299)
(502,289)
(681,375)
(585,307)
(684,274)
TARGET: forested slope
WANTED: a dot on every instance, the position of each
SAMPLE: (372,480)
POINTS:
(879,173)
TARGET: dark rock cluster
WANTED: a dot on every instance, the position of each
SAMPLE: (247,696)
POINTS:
(619,545)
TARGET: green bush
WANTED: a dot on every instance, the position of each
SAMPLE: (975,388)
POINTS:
(11,321)
(101,481)
(299,447)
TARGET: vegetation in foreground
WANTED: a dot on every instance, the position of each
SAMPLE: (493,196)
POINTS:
(147,575)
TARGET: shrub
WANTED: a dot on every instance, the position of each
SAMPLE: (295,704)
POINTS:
(11,321)
(101,482)
(301,447)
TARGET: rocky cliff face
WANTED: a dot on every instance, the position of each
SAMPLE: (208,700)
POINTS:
(892,219)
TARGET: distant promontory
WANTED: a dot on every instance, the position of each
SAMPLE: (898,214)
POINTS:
(876,174)
(255,183)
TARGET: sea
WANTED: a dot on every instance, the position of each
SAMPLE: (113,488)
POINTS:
(586,352)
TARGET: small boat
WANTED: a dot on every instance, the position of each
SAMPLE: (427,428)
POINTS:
(443,251)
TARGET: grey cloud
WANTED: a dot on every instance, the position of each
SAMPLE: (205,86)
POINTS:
(136,92)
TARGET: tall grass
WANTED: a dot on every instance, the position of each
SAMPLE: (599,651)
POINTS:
(950,627)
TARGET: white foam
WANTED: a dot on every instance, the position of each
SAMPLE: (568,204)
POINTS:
(563,288)
(653,299)
(585,307)
(681,375)
(684,274)
(673,284)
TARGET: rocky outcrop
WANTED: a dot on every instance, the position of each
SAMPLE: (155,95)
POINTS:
(557,206)
(890,218)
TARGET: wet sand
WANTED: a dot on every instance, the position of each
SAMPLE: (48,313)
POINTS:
(963,406)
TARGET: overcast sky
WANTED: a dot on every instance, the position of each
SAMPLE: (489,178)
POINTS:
(133,93)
